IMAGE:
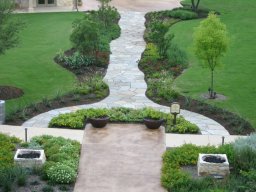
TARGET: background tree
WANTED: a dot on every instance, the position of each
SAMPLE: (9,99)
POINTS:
(210,43)
(9,26)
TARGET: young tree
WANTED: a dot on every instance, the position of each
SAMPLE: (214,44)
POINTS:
(9,26)
(210,43)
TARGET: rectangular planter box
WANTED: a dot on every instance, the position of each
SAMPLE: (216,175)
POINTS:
(217,170)
(29,162)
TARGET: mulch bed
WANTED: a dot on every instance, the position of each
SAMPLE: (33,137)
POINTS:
(9,92)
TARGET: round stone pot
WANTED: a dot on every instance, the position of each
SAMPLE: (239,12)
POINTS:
(152,123)
(99,122)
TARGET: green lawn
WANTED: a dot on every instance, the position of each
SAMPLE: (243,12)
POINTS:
(236,77)
(30,66)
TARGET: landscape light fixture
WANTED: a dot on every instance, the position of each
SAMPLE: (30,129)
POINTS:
(175,110)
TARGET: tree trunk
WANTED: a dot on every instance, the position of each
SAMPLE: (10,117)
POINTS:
(194,5)
(197,4)
(211,93)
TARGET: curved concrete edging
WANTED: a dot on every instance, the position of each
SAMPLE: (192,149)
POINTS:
(126,81)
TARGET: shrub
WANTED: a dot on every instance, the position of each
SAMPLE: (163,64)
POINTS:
(245,153)
(162,87)
(183,126)
(86,36)
(175,179)
(61,173)
(92,85)
(7,146)
(183,14)
(150,54)
(71,120)
(152,114)
(76,60)
(156,35)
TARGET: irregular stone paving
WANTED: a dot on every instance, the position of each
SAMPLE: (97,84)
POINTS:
(121,158)
(126,81)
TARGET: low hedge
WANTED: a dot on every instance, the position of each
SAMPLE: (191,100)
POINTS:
(7,148)
(173,177)
(241,157)
(77,120)
(62,158)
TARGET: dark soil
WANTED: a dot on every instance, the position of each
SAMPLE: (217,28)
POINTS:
(213,159)
(29,155)
(8,92)
(65,101)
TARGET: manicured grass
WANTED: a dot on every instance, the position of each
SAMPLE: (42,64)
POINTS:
(30,66)
(235,78)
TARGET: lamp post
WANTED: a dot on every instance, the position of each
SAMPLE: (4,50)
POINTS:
(175,110)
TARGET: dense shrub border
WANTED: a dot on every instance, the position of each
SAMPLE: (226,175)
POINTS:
(160,72)
(77,120)
(243,172)
(59,171)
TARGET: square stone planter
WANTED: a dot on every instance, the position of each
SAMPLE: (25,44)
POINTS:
(215,165)
(29,157)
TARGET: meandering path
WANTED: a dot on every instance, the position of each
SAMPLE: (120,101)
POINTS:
(126,81)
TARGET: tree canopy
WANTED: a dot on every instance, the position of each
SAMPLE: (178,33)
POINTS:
(9,26)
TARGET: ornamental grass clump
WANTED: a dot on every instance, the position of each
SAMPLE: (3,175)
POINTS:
(245,153)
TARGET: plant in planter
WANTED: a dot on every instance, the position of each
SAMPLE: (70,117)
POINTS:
(153,119)
(97,117)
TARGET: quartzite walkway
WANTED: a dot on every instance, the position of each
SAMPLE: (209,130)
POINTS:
(126,81)
(121,158)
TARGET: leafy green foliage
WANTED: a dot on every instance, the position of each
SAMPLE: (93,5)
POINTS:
(9,26)
(7,147)
(62,158)
(183,126)
(92,85)
(94,32)
(75,61)
(175,179)
(150,113)
(162,60)
(86,36)
(183,14)
(156,35)
(77,119)
(151,54)
(162,87)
